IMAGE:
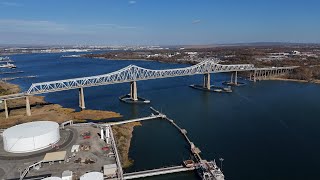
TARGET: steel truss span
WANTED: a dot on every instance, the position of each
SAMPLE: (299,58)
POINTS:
(134,73)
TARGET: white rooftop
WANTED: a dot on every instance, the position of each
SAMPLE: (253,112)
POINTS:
(31,129)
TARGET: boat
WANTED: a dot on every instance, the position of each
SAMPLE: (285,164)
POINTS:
(209,171)
(71,56)
(8,65)
(5,59)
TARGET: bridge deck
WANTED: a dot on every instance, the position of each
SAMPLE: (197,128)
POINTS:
(13,96)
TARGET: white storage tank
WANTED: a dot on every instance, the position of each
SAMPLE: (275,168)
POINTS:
(52,178)
(32,136)
(67,175)
(92,175)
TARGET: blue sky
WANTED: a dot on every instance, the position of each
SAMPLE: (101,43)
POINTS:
(158,22)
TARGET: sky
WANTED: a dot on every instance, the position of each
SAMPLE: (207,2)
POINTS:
(158,22)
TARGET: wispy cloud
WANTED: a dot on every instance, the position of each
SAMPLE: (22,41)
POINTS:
(50,27)
(7,3)
(116,26)
(132,2)
(31,26)
(197,21)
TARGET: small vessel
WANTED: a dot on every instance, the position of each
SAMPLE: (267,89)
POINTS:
(5,59)
(227,89)
(8,65)
(209,171)
(71,56)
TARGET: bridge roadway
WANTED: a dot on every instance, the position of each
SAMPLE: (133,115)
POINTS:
(156,172)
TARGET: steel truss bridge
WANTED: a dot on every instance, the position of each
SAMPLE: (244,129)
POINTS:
(133,73)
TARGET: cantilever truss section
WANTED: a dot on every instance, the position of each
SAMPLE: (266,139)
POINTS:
(134,73)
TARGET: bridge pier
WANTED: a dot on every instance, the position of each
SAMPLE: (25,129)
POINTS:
(133,97)
(28,109)
(81,99)
(133,91)
(6,109)
(206,81)
(231,78)
(236,78)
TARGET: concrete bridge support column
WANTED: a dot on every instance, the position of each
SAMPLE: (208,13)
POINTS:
(206,81)
(6,108)
(28,109)
(236,78)
(255,76)
(81,99)
(102,134)
(133,91)
(231,79)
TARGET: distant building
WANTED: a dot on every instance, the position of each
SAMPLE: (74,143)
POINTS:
(295,53)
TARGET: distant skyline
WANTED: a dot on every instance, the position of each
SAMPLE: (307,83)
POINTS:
(158,22)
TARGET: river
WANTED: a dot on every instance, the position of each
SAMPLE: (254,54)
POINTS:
(265,130)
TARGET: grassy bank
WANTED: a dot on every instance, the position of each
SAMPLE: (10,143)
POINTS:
(123,136)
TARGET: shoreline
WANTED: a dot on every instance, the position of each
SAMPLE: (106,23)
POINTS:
(123,135)
(314,81)
(293,80)
(139,59)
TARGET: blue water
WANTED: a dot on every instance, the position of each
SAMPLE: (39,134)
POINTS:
(264,130)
